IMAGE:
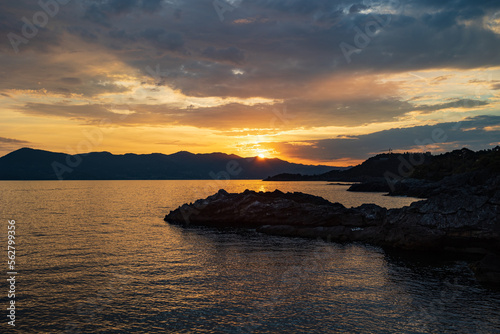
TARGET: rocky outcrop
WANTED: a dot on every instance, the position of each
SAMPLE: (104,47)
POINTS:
(425,188)
(371,185)
(465,221)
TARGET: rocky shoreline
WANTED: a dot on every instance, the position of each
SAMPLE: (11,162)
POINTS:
(421,188)
(465,221)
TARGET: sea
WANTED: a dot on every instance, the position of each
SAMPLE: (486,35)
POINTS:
(97,257)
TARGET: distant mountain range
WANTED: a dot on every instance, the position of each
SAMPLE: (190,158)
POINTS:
(31,164)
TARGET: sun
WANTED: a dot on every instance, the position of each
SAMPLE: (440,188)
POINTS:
(261,155)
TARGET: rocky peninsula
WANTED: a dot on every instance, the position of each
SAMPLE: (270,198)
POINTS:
(465,221)
(413,174)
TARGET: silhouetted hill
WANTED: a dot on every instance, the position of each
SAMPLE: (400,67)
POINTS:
(374,167)
(417,175)
(31,164)
(459,162)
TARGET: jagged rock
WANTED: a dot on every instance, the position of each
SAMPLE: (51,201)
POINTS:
(465,221)
(453,184)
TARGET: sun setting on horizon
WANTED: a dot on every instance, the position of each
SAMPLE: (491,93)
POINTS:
(134,82)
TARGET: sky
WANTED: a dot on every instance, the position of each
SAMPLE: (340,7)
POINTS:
(308,81)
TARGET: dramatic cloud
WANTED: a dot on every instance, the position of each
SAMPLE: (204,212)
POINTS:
(12,141)
(230,54)
(102,11)
(475,133)
(234,68)
(9,144)
(463,103)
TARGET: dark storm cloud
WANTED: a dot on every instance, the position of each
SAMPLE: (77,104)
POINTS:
(463,4)
(231,54)
(356,8)
(475,133)
(412,38)
(102,11)
(18,29)
(163,39)
(293,7)
(289,41)
(83,33)
(281,49)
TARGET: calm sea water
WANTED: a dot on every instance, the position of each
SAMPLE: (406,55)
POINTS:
(97,257)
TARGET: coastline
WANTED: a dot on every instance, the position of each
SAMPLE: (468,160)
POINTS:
(464,222)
